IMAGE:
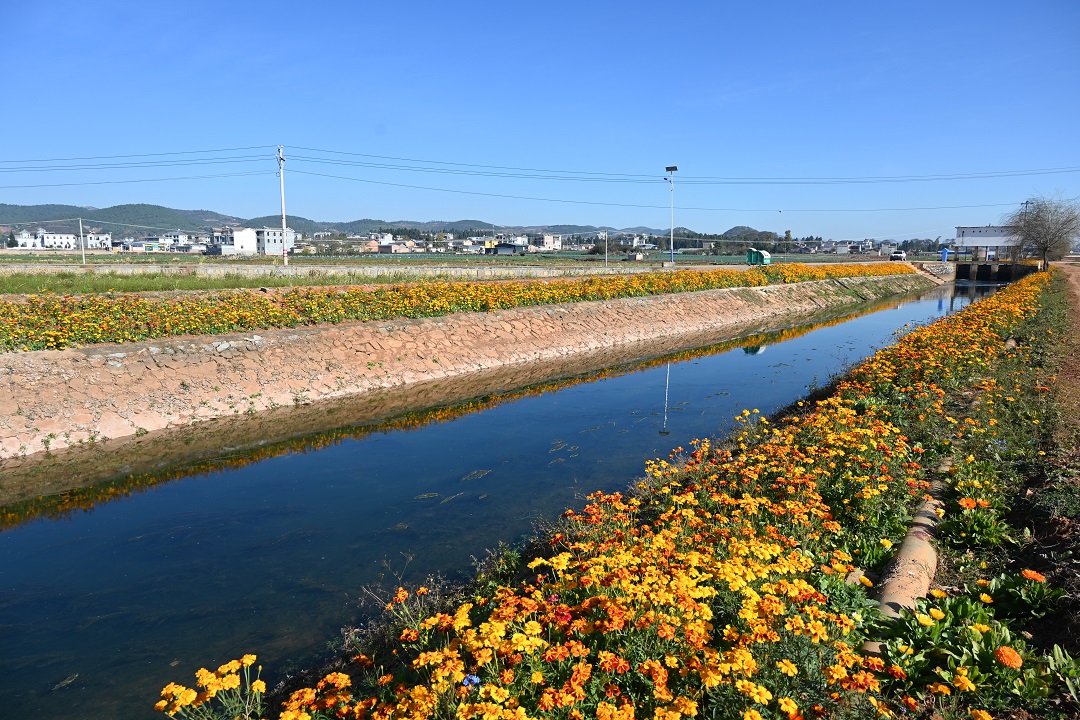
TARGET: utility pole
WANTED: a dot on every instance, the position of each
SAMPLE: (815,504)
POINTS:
(281,176)
(605,248)
(82,243)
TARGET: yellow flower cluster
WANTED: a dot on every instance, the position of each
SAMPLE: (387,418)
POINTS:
(46,322)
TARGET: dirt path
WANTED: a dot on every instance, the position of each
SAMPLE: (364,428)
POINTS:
(1068,385)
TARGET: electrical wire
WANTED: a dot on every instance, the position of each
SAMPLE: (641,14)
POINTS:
(653,178)
(141,180)
(161,154)
(127,166)
(640,206)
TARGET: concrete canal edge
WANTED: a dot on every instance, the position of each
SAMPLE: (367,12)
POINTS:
(51,400)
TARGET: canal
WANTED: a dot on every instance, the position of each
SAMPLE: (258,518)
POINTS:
(107,597)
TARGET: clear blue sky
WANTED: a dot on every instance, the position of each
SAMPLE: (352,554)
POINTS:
(724,90)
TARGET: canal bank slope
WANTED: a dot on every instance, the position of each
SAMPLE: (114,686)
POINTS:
(52,400)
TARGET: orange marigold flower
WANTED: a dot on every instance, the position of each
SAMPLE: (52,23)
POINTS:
(977,714)
(1008,657)
(1032,575)
(967,503)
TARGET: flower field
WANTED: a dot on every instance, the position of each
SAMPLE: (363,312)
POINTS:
(720,587)
(46,322)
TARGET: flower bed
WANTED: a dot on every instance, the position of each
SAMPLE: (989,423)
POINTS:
(719,588)
(44,322)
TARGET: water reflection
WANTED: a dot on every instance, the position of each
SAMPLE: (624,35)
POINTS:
(111,591)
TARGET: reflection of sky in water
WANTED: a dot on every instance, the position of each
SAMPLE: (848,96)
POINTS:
(271,558)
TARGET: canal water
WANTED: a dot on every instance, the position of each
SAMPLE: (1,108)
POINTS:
(106,600)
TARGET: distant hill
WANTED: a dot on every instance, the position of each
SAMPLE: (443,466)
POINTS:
(295,222)
(135,220)
(142,219)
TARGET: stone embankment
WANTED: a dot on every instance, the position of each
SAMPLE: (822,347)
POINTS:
(51,400)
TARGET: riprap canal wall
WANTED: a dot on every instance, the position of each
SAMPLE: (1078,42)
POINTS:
(50,400)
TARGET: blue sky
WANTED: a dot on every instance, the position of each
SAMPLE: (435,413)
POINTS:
(746,99)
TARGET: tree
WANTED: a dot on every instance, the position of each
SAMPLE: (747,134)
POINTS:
(11,241)
(1046,227)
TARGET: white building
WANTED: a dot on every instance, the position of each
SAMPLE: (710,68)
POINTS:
(986,242)
(99,241)
(268,240)
(547,243)
(236,241)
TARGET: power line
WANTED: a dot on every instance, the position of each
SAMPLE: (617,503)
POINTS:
(640,206)
(486,170)
(139,165)
(124,182)
(161,154)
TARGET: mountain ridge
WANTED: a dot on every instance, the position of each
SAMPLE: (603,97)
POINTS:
(142,219)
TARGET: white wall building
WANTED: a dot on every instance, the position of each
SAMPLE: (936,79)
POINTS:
(268,240)
(547,243)
(237,241)
(986,242)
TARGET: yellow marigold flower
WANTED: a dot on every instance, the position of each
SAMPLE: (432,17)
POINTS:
(757,693)
(939,688)
(1008,657)
(924,620)
(258,686)
(963,683)
(980,715)
(982,582)
(229,667)
(939,594)
(835,672)
(751,714)
(936,613)
(537,678)
(788,705)
(980,627)
(866,581)
(787,667)
(986,598)
(248,660)
(886,543)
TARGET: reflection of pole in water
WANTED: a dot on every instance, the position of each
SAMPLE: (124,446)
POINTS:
(667,384)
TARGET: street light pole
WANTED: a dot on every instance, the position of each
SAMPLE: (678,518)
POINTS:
(671,170)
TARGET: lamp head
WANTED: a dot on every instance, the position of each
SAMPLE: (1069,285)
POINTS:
(671,168)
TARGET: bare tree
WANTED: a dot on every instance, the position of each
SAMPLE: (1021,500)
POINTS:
(1046,227)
